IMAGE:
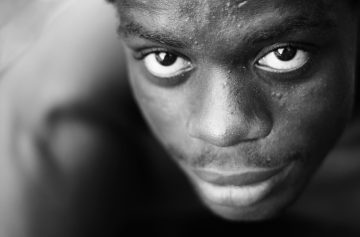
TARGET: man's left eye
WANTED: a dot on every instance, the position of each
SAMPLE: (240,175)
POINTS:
(166,65)
(284,59)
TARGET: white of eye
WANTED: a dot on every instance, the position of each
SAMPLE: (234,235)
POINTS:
(166,65)
(285,59)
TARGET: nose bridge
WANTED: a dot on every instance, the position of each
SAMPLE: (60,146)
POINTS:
(229,112)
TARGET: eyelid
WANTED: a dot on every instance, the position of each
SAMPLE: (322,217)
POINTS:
(303,46)
(293,76)
(142,53)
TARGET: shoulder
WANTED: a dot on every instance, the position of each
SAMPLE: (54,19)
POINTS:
(334,193)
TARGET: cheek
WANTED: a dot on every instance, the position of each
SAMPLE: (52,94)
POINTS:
(315,113)
(165,111)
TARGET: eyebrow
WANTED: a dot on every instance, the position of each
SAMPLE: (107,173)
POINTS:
(258,34)
(288,26)
(135,29)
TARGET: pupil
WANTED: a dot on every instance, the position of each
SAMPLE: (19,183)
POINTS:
(166,59)
(286,54)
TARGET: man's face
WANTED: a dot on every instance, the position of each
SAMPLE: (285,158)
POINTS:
(247,96)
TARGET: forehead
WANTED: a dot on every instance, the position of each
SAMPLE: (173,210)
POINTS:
(203,17)
(205,11)
(194,7)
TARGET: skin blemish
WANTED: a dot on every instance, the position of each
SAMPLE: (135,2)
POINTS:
(241,4)
(277,95)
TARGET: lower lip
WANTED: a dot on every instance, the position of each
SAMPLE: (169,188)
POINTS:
(239,196)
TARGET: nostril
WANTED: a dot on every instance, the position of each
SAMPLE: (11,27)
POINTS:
(230,132)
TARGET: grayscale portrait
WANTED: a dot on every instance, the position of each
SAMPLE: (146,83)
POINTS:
(179,118)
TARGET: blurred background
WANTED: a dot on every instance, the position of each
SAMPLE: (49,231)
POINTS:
(57,60)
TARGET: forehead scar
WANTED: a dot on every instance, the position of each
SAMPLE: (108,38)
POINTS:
(241,4)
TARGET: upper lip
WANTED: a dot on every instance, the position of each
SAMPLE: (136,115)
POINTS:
(237,179)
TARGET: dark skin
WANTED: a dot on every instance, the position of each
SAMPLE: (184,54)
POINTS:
(218,91)
(77,160)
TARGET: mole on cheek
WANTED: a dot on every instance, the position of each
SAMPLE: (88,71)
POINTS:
(280,98)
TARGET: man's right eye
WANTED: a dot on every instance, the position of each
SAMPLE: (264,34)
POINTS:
(164,64)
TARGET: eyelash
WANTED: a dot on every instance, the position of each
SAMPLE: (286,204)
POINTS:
(302,46)
(141,54)
(292,76)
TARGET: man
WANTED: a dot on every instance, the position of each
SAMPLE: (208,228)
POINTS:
(76,159)
(248,97)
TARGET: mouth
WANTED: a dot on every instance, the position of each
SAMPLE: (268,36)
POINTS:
(244,188)
(247,178)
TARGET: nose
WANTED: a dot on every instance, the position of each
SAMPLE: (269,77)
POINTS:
(229,111)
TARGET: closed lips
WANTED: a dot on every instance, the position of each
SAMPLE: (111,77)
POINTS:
(241,179)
